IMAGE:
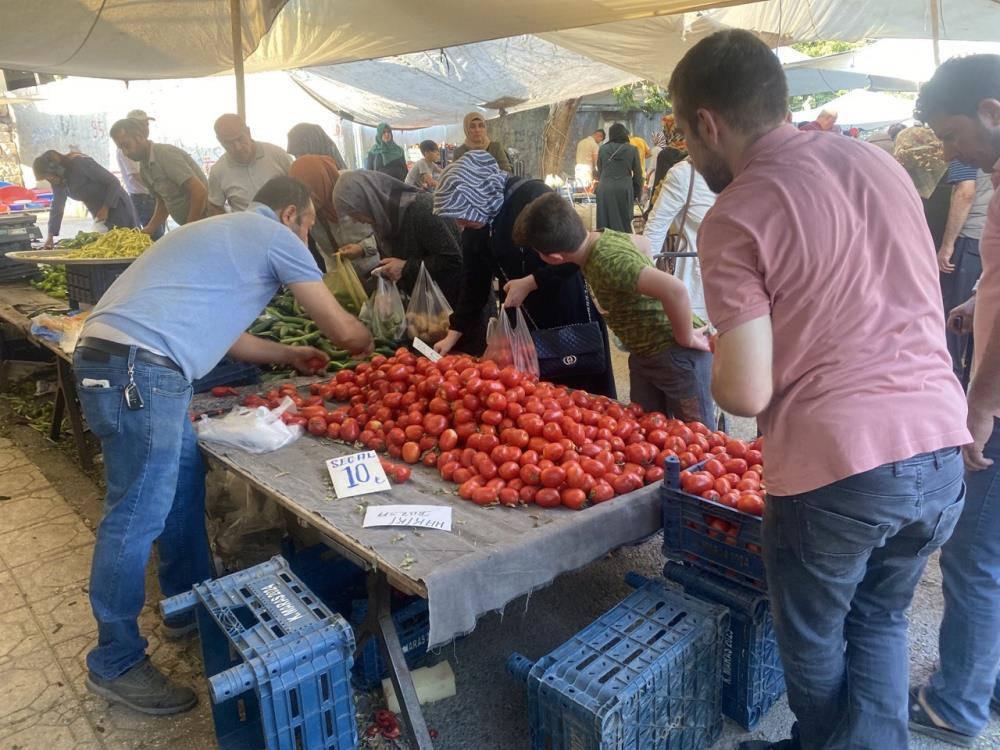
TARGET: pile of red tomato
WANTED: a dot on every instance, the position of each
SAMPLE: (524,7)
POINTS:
(507,438)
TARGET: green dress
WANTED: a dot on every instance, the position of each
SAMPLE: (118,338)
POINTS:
(620,176)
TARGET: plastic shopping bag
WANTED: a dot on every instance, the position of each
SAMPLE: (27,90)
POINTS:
(343,282)
(508,344)
(259,430)
(428,316)
(383,312)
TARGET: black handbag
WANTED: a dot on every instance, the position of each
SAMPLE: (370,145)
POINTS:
(568,351)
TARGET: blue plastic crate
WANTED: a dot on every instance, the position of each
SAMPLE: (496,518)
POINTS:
(413,626)
(689,537)
(228,372)
(334,579)
(278,661)
(646,674)
(752,676)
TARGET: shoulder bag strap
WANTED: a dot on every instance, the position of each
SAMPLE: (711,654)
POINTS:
(681,238)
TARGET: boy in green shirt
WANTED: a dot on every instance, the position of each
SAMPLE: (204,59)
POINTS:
(670,367)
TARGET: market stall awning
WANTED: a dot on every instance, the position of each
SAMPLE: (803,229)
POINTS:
(868,110)
(137,39)
(647,48)
(439,87)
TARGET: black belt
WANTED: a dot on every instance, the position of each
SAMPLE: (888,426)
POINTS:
(102,346)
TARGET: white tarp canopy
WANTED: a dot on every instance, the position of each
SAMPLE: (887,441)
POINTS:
(652,48)
(139,39)
(868,110)
(890,64)
(441,86)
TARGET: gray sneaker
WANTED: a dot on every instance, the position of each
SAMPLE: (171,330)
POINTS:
(145,689)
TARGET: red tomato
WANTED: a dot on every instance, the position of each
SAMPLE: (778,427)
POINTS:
(754,457)
(531,474)
(573,498)
(491,417)
(516,437)
(448,440)
(748,484)
(722,485)
(736,448)
(752,503)
(509,470)
(547,497)
(317,426)
(509,496)
(711,495)
(435,424)
(602,492)
(485,495)
(411,452)
(653,474)
(698,482)
(636,454)
(461,475)
(752,474)
(447,470)
(528,457)
(400,474)
(736,466)
(687,459)
(430,458)
(715,467)
(553,476)
(528,493)
(576,477)
(349,430)
(730,498)
(627,483)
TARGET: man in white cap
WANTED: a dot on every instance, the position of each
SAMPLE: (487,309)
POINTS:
(145,204)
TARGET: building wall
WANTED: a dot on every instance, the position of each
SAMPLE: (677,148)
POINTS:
(10,166)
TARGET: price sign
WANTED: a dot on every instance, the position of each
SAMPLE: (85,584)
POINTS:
(357,474)
(426,350)
(422,516)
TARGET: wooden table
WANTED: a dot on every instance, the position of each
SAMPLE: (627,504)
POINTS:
(498,541)
(19,302)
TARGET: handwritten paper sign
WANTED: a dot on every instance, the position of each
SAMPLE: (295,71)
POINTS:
(426,350)
(357,474)
(424,516)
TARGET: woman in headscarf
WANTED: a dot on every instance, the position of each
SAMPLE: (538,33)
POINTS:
(307,139)
(81,178)
(386,155)
(620,178)
(405,227)
(486,202)
(477,138)
(329,235)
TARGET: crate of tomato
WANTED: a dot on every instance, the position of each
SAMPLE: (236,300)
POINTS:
(712,511)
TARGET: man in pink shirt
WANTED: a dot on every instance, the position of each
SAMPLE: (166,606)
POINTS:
(962,104)
(821,278)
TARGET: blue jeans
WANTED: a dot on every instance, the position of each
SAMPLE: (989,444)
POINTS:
(677,382)
(156,493)
(842,563)
(960,691)
(145,207)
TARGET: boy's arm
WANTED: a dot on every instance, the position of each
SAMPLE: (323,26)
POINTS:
(672,294)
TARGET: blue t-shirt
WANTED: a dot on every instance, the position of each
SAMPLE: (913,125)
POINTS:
(196,290)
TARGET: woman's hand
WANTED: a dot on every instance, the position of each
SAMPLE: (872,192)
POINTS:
(517,290)
(446,344)
(351,251)
(391,268)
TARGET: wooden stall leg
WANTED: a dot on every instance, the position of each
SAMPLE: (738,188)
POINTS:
(66,398)
(379,624)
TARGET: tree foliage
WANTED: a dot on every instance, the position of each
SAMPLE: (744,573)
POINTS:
(645,96)
(825,47)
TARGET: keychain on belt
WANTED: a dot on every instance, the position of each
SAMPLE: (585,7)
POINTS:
(133,399)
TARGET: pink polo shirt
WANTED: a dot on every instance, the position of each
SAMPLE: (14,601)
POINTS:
(988,294)
(827,236)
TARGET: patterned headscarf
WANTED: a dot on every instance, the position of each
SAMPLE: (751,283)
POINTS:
(659,140)
(471,189)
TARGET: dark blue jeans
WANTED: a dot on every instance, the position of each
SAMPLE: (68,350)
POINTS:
(145,207)
(960,691)
(156,493)
(956,287)
(842,563)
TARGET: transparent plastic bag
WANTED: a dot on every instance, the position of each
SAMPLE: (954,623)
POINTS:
(343,282)
(383,313)
(259,430)
(508,344)
(428,315)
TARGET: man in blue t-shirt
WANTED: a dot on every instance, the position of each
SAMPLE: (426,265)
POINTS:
(958,256)
(169,319)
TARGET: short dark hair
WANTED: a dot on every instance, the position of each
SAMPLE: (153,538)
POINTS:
(128,126)
(427,146)
(48,163)
(734,73)
(281,192)
(958,85)
(549,224)
(601,131)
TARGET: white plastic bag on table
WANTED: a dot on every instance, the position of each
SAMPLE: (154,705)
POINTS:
(257,430)
(428,316)
(383,313)
(508,344)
